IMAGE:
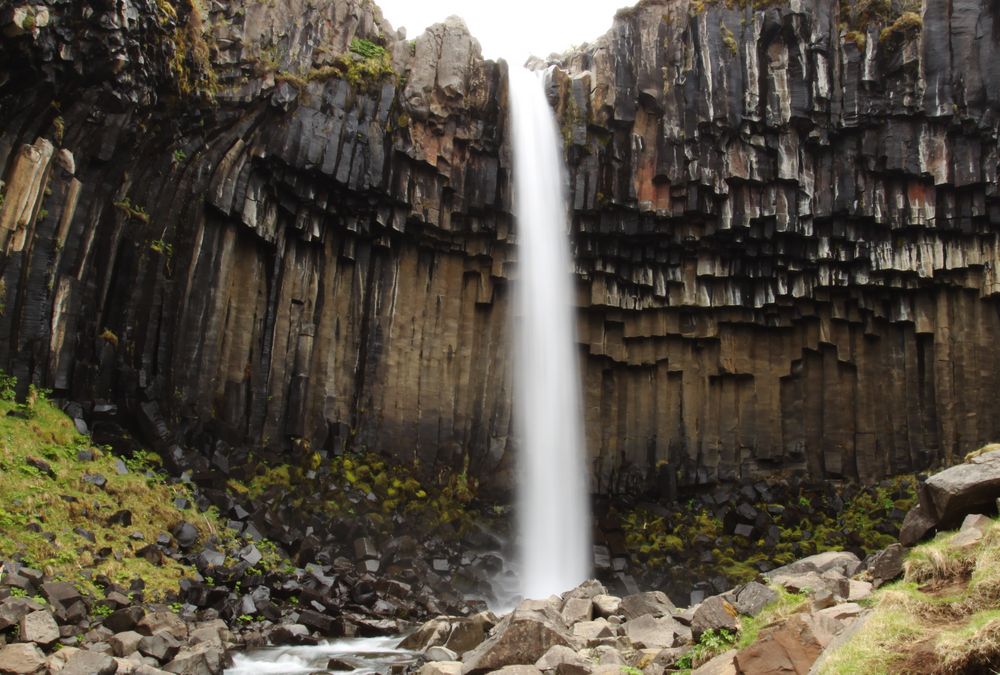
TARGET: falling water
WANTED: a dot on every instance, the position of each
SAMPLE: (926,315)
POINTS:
(553,502)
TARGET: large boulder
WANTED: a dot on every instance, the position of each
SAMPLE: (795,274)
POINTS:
(947,497)
(716,613)
(651,632)
(563,661)
(39,627)
(457,634)
(521,638)
(654,603)
(21,659)
(89,663)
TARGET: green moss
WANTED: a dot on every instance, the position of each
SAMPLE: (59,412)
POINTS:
(133,211)
(908,22)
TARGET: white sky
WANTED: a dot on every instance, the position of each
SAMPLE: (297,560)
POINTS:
(511,29)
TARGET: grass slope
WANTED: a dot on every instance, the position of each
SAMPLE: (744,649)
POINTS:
(48,506)
(943,617)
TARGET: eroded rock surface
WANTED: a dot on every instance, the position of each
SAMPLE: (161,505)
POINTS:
(785,234)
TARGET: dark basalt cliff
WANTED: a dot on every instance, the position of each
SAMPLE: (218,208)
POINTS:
(240,227)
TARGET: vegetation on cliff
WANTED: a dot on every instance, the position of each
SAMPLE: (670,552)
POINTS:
(862,519)
(77,512)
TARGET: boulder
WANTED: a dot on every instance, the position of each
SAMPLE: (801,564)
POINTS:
(973,529)
(716,613)
(650,632)
(518,670)
(843,563)
(39,627)
(887,565)
(162,646)
(576,610)
(124,619)
(563,661)
(522,637)
(950,495)
(440,654)
(723,664)
(595,631)
(200,659)
(457,634)
(66,601)
(441,668)
(163,622)
(125,643)
(789,648)
(654,603)
(606,605)
(89,663)
(21,659)
(750,599)
(12,610)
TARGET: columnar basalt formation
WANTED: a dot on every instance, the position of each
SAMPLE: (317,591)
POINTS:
(285,225)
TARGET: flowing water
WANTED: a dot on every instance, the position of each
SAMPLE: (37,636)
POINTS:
(553,501)
(367,655)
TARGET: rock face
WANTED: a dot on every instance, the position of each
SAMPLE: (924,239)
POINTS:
(785,233)
(949,496)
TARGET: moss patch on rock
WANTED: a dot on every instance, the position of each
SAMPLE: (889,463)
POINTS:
(63,504)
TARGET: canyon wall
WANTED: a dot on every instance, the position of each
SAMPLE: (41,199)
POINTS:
(285,226)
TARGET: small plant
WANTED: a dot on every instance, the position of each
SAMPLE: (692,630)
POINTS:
(176,607)
(179,157)
(245,618)
(16,592)
(133,211)
(8,385)
(160,246)
(102,611)
(711,644)
(59,127)
(110,337)
(805,502)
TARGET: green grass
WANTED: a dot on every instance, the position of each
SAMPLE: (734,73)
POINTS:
(785,606)
(948,603)
(57,503)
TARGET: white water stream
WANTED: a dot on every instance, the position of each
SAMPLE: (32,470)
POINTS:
(553,500)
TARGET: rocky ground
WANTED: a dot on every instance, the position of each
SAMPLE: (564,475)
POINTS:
(113,567)
(828,613)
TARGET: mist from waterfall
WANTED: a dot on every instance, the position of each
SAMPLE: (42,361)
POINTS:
(553,492)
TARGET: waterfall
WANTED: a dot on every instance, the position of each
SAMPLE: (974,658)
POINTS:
(553,496)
